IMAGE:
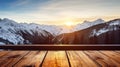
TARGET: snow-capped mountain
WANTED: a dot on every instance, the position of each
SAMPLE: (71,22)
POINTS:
(21,33)
(12,32)
(111,26)
(105,33)
(87,24)
(7,34)
(53,29)
(57,30)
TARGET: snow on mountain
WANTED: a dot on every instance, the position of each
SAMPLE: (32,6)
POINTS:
(10,31)
(7,31)
(117,22)
(53,29)
(87,24)
(104,33)
(1,43)
(57,30)
(113,25)
(97,33)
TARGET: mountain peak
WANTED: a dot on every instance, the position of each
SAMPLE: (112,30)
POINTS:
(6,20)
(99,20)
(95,21)
(86,21)
(87,24)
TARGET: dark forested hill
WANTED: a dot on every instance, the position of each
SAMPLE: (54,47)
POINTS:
(105,33)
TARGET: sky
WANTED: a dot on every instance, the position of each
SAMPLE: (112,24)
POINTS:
(57,12)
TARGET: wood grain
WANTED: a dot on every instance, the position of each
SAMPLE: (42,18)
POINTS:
(113,55)
(79,59)
(11,58)
(2,53)
(34,58)
(117,51)
(60,58)
(102,59)
(56,59)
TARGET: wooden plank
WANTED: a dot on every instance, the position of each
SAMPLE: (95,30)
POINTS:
(102,59)
(33,59)
(2,53)
(11,58)
(56,59)
(61,47)
(117,51)
(79,59)
(113,55)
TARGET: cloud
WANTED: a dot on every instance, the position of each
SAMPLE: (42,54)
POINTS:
(59,10)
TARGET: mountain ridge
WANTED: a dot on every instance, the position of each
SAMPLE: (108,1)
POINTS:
(109,33)
(12,32)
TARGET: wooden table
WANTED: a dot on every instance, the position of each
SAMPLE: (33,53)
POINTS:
(77,58)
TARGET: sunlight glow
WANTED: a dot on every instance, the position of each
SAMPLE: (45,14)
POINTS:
(69,23)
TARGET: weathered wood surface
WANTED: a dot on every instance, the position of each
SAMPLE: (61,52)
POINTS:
(85,58)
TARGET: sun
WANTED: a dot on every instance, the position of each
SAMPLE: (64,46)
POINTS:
(69,23)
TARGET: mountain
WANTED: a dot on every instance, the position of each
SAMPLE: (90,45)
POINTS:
(97,31)
(104,33)
(57,30)
(12,32)
(87,24)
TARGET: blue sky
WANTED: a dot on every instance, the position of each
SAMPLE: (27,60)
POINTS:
(20,5)
(54,11)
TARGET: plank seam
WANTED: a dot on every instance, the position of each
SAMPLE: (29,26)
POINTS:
(68,59)
(20,59)
(43,59)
